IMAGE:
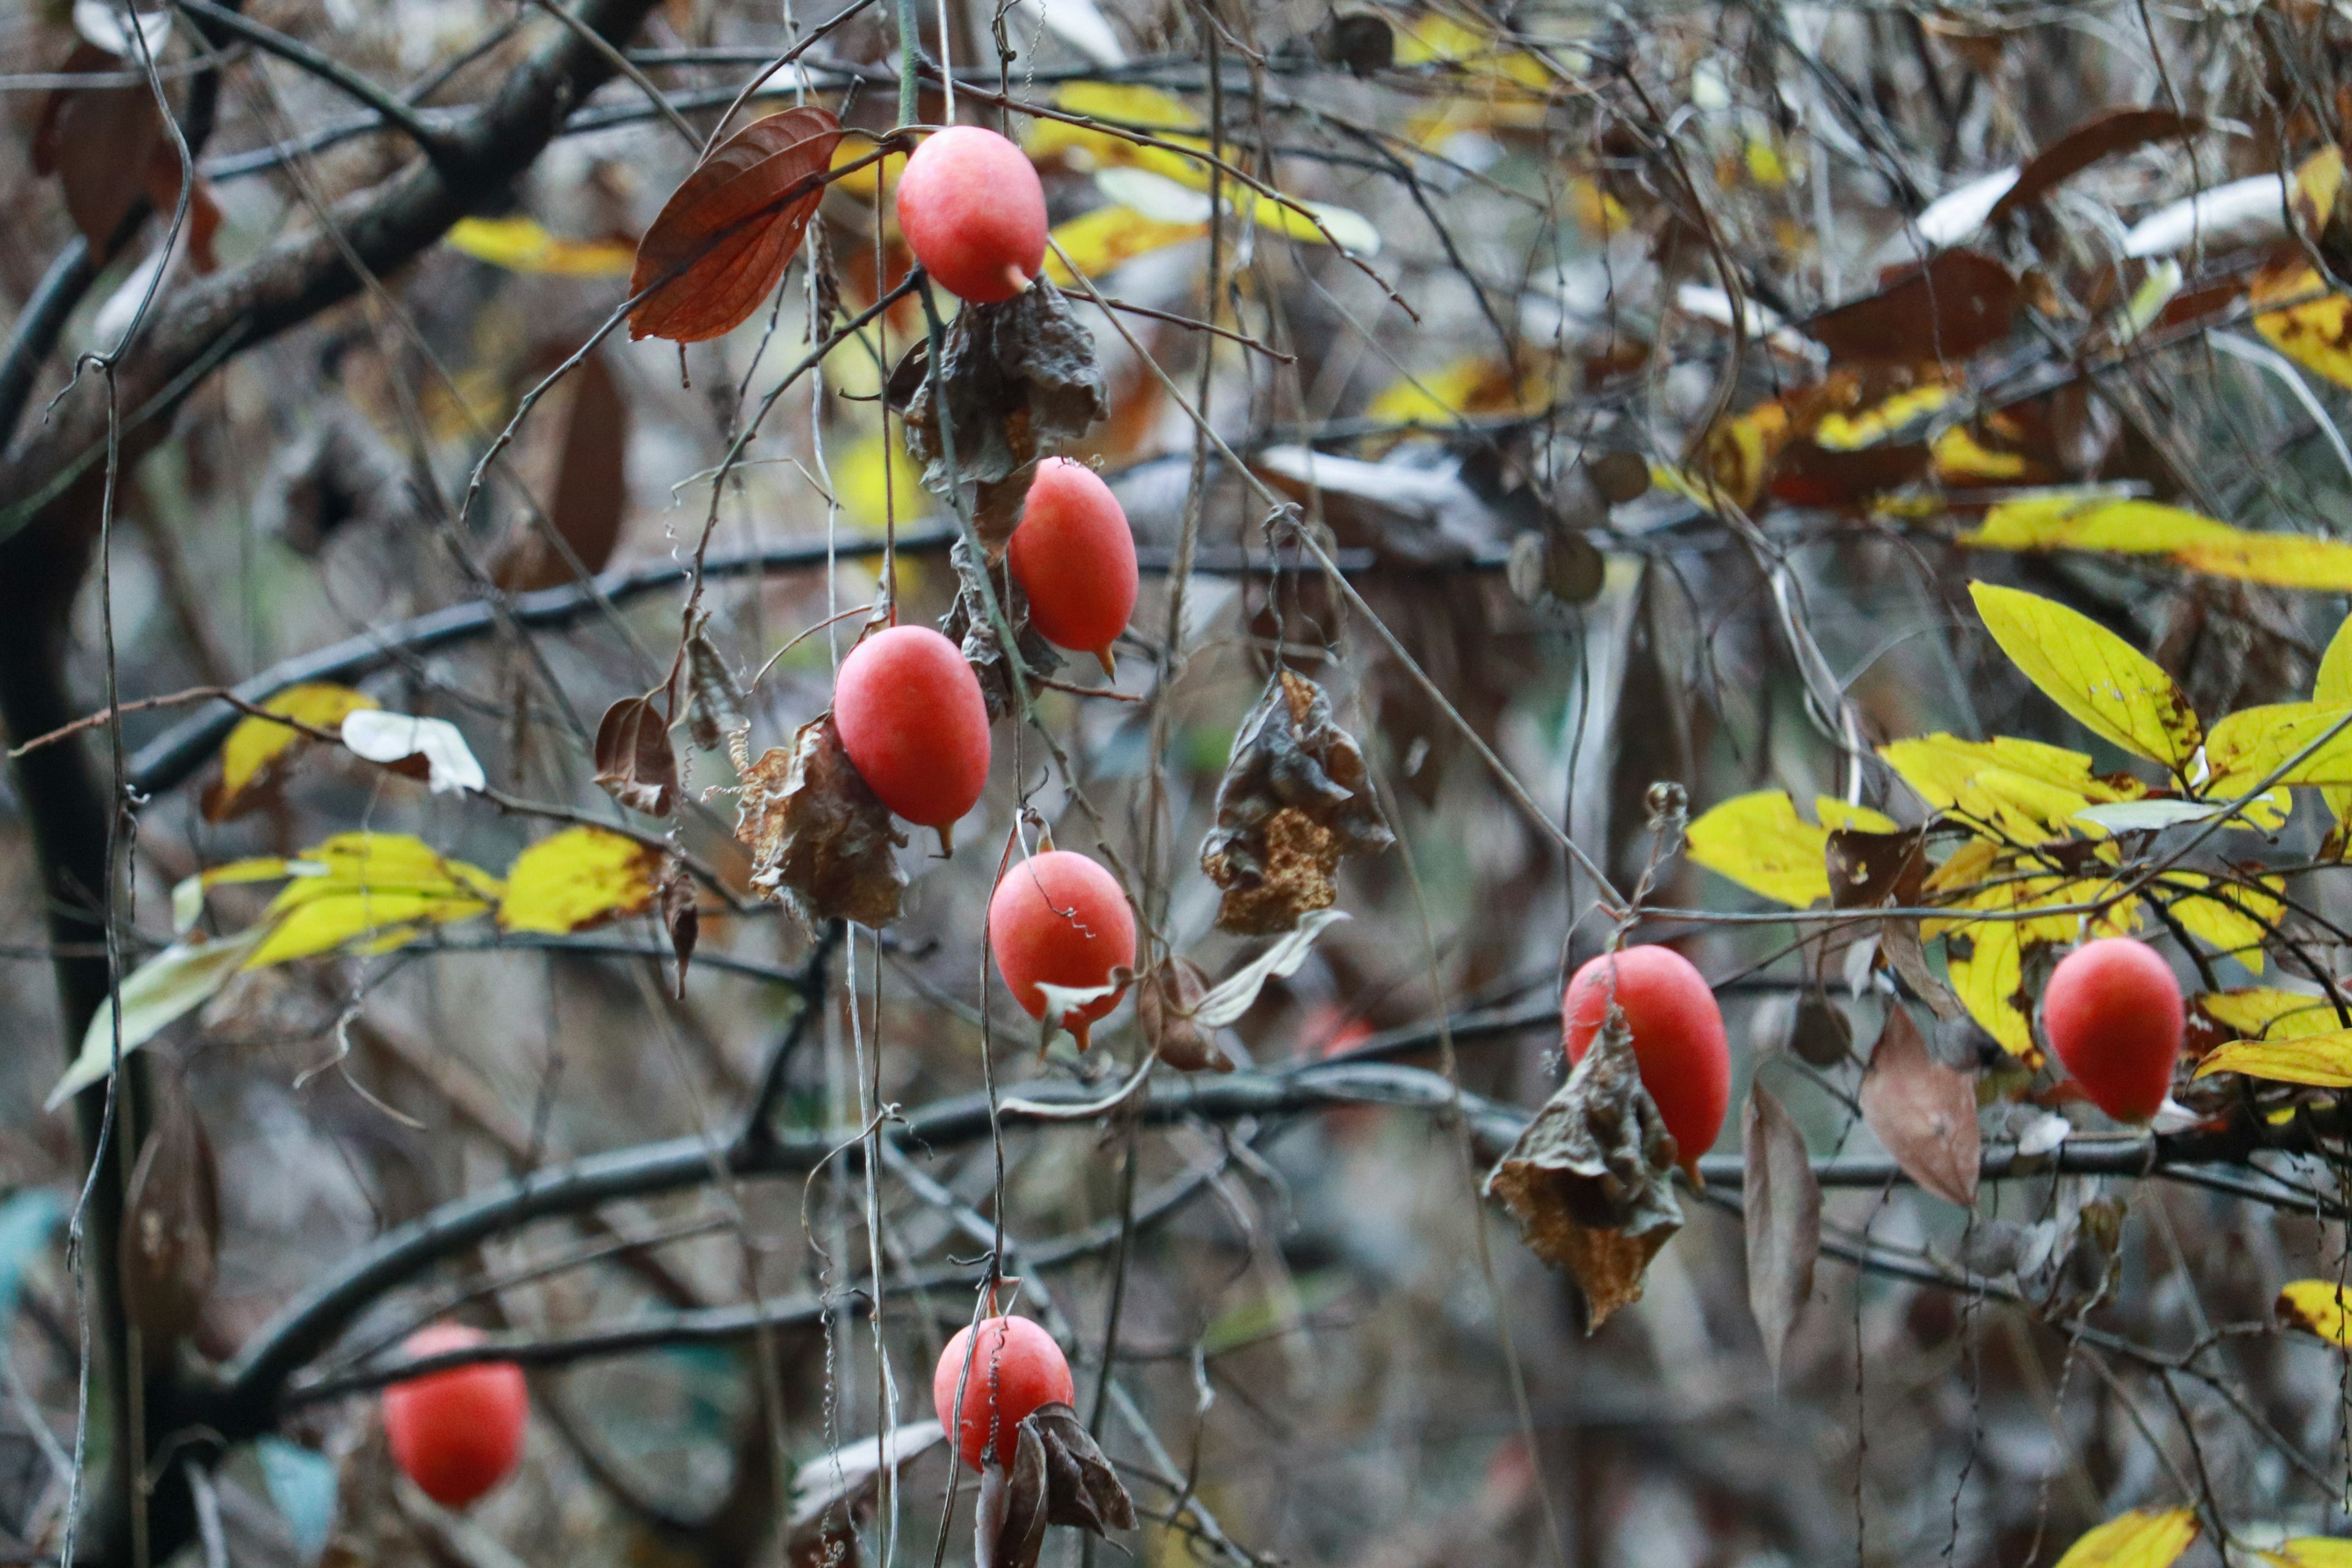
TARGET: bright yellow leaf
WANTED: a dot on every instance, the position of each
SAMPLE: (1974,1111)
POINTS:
(2253,743)
(2261,1012)
(521,245)
(2317,333)
(1142,108)
(2023,789)
(2140,1538)
(1843,432)
(188,893)
(376,888)
(2235,919)
(579,877)
(2310,1551)
(2315,1306)
(1987,964)
(1958,457)
(1101,241)
(255,744)
(1836,815)
(1759,841)
(2331,687)
(1317,222)
(2109,686)
(2099,521)
(2322,1060)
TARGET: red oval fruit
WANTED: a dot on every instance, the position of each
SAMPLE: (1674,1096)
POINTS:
(456,1433)
(974,214)
(1017,1368)
(1060,918)
(1074,555)
(914,724)
(2113,1012)
(1678,1038)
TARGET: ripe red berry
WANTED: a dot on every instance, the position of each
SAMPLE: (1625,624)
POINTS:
(914,724)
(1060,918)
(456,1433)
(1678,1039)
(1016,1368)
(1075,557)
(2114,1013)
(973,212)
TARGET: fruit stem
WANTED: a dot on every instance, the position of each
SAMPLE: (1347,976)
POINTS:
(910,57)
(1109,662)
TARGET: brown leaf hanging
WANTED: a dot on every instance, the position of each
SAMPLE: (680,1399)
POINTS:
(1590,1181)
(1163,1011)
(591,489)
(1295,797)
(820,839)
(1059,1476)
(680,918)
(715,700)
(967,626)
(634,759)
(1782,1218)
(732,228)
(1923,1112)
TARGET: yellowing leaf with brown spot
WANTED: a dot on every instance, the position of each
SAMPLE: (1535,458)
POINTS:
(2021,789)
(2109,686)
(2310,1551)
(2323,1060)
(1759,841)
(2188,538)
(2316,1307)
(2234,919)
(2253,743)
(2261,1012)
(521,245)
(579,877)
(2140,1538)
(255,744)
(2317,333)
(377,889)
(1106,239)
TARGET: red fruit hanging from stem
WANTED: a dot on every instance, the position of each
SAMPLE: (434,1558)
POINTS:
(456,1433)
(915,726)
(973,212)
(1074,555)
(1016,1368)
(1059,918)
(2114,1013)
(1678,1040)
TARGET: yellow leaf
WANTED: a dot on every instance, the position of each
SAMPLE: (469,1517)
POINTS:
(2235,919)
(2322,1060)
(520,244)
(2021,789)
(578,878)
(1103,240)
(364,886)
(1989,977)
(2261,1012)
(1960,458)
(1598,213)
(257,744)
(2251,744)
(2317,333)
(2311,1550)
(1759,841)
(2098,521)
(2332,686)
(1143,109)
(871,481)
(2110,687)
(2315,1306)
(2139,1539)
(1473,384)
(2317,179)
(1317,222)
(1842,432)
(1836,815)
(1430,39)
(1739,452)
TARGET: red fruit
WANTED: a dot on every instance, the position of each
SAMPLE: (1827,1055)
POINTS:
(1017,1368)
(914,724)
(974,213)
(1677,1036)
(2114,1013)
(1075,557)
(456,1433)
(1060,918)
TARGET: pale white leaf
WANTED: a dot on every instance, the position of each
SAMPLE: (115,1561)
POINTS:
(2240,213)
(1156,196)
(2173,1117)
(1961,211)
(1061,1001)
(99,22)
(2043,1134)
(172,983)
(2126,816)
(1233,996)
(382,737)
(837,1480)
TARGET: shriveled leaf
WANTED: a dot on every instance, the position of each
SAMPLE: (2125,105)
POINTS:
(165,989)
(1295,797)
(2103,135)
(100,143)
(2316,1307)
(1236,994)
(715,700)
(591,489)
(1955,305)
(1899,943)
(170,1226)
(1759,841)
(1923,1112)
(2108,685)
(1164,1007)
(2140,1538)
(579,877)
(681,920)
(724,237)
(433,747)
(2098,520)
(635,762)
(257,747)
(1783,1220)
(969,625)
(1868,867)
(820,838)
(2322,1060)
(1081,1488)
(1589,1180)
(523,244)
(1009,1521)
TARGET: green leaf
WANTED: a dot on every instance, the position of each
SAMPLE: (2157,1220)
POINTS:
(176,982)
(2110,687)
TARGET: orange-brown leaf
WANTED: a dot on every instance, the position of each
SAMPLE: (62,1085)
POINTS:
(727,233)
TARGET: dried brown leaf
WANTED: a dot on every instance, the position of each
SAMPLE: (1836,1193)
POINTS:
(100,143)
(1081,1487)
(730,228)
(1783,1220)
(592,488)
(1295,797)
(1923,1112)
(1163,1010)
(820,838)
(1948,309)
(680,918)
(1898,942)
(714,708)
(1867,868)
(1590,1181)
(2103,135)
(635,762)
(1009,1524)
(967,626)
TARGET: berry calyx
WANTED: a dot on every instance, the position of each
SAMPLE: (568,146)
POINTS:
(1678,1039)
(1074,555)
(456,1433)
(2114,1013)
(1014,1367)
(915,725)
(1058,918)
(973,212)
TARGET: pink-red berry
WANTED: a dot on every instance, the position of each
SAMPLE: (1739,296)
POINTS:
(1060,918)
(915,725)
(1678,1039)
(1016,1368)
(973,212)
(2114,1013)
(456,1433)
(1074,556)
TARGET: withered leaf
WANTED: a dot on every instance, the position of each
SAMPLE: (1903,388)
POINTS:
(634,759)
(2103,135)
(1809,474)
(1589,1180)
(1020,379)
(1898,941)
(1295,797)
(1059,1476)
(1948,309)
(714,708)
(1822,1035)
(967,626)
(171,1224)
(1164,1004)
(1783,1220)
(820,838)
(728,231)
(1618,476)
(591,489)
(1868,869)
(680,919)
(1361,40)
(100,142)
(1009,1524)
(1923,1112)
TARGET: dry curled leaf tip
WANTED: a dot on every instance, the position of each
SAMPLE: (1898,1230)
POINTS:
(821,840)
